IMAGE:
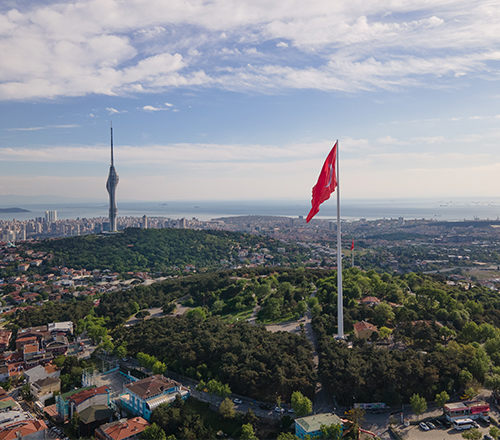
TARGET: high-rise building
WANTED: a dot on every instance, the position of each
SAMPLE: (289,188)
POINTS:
(51,216)
(144,222)
(111,185)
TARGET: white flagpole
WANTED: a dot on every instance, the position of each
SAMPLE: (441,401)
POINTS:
(340,302)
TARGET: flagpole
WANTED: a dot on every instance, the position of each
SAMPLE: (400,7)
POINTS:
(352,255)
(340,302)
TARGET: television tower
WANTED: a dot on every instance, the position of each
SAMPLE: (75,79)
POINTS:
(111,185)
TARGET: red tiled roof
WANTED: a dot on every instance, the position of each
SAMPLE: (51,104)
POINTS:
(23,428)
(87,394)
(30,348)
(363,325)
(151,386)
(124,429)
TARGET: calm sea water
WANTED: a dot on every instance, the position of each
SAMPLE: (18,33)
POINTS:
(205,210)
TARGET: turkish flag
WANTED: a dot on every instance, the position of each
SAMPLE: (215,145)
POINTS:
(352,245)
(327,182)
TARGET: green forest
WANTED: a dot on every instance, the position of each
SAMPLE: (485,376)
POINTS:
(163,250)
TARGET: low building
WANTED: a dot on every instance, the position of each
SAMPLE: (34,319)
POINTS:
(41,372)
(470,409)
(143,396)
(369,301)
(5,336)
(61,327)
(124,429)
(311,425)
(74,402)
(364,330)
(44,389)
(25,429)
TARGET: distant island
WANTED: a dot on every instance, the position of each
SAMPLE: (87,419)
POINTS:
(9,210)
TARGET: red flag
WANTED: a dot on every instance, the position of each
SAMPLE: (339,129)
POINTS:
(352,245)
(326,184)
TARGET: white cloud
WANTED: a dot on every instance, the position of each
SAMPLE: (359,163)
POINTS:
(111,47)
(42,127)
(114,111)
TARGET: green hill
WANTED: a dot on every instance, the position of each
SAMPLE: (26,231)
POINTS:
(165,250)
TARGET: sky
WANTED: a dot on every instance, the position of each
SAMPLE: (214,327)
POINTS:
(243,99)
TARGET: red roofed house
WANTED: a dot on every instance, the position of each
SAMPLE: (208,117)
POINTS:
(364,330)
(27,429)
(122,429)
(369,301)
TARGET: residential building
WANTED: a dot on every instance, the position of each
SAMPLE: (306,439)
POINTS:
(41,372)
(143,396)
(5,336)
(311,425)
(61,327)
(124,429)
(364,330)
(25,429)
(44,389)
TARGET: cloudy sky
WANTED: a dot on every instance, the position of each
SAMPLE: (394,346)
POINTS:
(242,99)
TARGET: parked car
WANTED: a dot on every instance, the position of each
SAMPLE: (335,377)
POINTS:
(238,401)
(431,425)
(423,426)
(277,409)
(264,405)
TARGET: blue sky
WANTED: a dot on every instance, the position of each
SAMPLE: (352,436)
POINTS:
(224,100)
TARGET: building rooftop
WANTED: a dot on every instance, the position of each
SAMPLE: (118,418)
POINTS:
(81,396)
(151,386)
(22,429)
(124,429)
(95,413)
(313,423)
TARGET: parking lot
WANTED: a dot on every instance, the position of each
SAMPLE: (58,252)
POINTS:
(413,432)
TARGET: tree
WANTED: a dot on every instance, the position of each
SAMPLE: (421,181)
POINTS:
(384,332)
(442,398)
(495,432)
(153,432)
(301,404)
(383,313)
(247,432)
(473,434)
(226,408)
(418,404)
(286,436)
(331,432)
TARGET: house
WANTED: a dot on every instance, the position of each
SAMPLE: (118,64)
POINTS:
(143,396)
(124,429)
(369,301)
(44,389)
(25,429)
(41,372)
(311,425)
(5,336)
(76,401)
(364,330)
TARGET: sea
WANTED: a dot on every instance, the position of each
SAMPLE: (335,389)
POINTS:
(432,209)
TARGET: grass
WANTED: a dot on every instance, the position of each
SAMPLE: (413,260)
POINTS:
(241,316)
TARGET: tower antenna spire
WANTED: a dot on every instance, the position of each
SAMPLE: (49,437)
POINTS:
(112,157)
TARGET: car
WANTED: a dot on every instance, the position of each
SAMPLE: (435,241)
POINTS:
(277,409)
(264,405)
(438,423)
(487,437)
(238,401)
(475,424)
(290,411)
(423,426)
(431,425)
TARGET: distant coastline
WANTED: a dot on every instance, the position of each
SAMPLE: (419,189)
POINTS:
(11,210)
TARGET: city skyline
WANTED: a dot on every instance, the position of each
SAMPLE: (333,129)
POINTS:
(228,102)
